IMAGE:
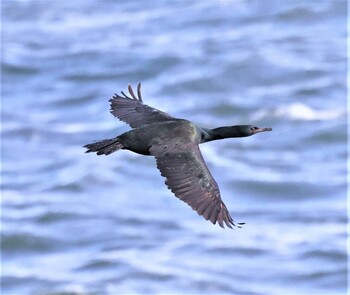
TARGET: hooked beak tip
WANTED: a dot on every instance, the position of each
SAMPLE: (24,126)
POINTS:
(264,129)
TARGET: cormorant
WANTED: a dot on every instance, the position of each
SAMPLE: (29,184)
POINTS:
(174,143)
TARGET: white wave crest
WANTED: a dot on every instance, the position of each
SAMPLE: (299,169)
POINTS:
(299,111)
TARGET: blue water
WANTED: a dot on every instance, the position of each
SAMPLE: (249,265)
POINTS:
(75,223)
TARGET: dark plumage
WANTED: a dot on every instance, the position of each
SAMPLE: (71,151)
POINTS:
(174,143)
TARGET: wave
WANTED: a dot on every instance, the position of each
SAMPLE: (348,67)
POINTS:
(299,111)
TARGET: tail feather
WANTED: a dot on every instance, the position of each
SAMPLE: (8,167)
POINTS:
(104,147)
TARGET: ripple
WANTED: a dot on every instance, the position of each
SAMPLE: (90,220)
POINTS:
(12,243)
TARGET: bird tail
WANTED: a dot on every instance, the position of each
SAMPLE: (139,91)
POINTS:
(104,147)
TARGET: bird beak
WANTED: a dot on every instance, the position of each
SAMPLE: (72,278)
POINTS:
(262,129)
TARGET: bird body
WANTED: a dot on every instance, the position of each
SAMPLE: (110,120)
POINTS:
(175,145)
(140,140)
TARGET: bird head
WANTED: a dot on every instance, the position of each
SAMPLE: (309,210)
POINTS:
(248,130)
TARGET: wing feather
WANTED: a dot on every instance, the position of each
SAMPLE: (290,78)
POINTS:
(132,111)
(189,178)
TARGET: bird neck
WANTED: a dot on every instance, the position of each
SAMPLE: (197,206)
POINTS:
(223,132)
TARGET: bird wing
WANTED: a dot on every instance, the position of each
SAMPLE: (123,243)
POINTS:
(189,178)
(132,111)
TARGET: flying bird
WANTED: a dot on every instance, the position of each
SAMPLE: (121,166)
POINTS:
(175,145)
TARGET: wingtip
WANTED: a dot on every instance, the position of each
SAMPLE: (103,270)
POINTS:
(230,223)
(139,91)
(131,91)
(239,224)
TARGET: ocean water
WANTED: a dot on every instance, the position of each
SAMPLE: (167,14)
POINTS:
(75,223)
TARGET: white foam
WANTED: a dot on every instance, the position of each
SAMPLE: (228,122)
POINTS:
(299,111)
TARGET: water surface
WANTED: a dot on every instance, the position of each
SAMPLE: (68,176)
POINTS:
(81,224)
